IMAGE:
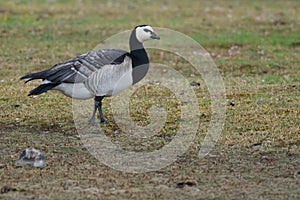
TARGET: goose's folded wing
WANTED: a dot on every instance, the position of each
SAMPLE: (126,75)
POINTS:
(78,69)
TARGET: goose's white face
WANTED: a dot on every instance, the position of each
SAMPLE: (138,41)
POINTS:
(144,33)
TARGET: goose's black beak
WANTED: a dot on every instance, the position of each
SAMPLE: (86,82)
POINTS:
(154,36)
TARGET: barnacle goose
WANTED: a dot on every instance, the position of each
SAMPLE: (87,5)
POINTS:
(96,73)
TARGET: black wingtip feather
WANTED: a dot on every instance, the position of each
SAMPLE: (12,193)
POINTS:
(31,76)
(24,77)
(42,88)
(29,80)
(38,75)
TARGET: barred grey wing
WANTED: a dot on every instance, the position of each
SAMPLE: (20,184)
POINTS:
(78,69)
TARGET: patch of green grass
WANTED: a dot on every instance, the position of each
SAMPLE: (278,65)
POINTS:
(245,37)
(273,79)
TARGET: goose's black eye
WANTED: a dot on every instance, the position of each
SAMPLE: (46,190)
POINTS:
(147,30)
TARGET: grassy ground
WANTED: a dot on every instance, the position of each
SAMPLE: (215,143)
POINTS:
(256,47)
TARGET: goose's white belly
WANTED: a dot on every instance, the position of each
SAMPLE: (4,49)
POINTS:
(109,80)
(76,91)
(79,91)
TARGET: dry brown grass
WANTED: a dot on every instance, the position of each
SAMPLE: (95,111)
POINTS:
(258,154)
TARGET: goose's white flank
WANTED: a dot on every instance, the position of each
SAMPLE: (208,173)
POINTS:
(98,73)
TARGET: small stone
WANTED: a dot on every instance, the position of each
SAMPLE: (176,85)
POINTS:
(31,157)
(185,183)
(7,188)
(180,184)
(190,183)
(183,103)
(194,83)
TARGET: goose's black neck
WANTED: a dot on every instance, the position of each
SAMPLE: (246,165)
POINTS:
(140,60)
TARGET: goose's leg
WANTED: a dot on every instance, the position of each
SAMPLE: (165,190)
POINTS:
(97,106)
(99,99)
(92,120)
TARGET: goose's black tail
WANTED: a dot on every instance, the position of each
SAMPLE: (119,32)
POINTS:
(38,75)
(42,88)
